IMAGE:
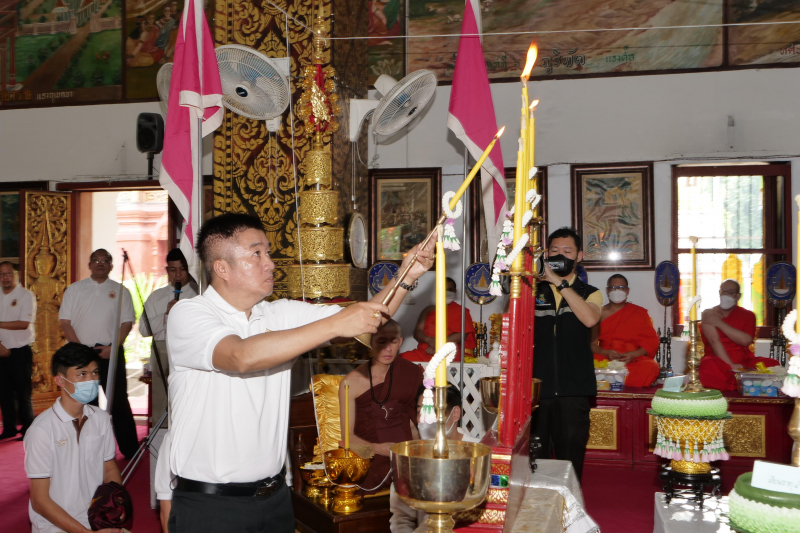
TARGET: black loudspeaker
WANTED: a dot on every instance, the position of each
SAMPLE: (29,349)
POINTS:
(150,133)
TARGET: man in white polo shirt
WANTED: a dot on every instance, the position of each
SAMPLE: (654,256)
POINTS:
(88,315)
(161,301)
(17,316)
(231,355)
(69,448)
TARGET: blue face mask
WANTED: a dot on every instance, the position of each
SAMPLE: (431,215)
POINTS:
(85,391)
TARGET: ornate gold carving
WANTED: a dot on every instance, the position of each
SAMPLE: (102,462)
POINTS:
(602,429)
(496,319)
(687,467)
(329,281)
(319,207)
(745,436)
(492,516)
(501,457)
(497,496)
(318,168)
(502,469)
(321,244)
(46,253)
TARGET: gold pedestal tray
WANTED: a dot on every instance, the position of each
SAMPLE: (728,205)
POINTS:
(490,393)
(321,244)
(346,470)
(441,487)
(319,281)
(319,207)
(323,486)
(309,475)
(688,432)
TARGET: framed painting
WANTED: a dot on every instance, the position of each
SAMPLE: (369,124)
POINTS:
(403,209)
(612,209)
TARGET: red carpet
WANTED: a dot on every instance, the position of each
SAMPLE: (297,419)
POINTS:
(14,490)
(621,501)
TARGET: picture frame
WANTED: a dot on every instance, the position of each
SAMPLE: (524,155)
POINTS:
(479,252)
(404,206)
(612,209)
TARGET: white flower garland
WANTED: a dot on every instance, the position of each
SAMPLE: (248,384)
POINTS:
(791,384)
(788,328)
(449,240)
(446,353)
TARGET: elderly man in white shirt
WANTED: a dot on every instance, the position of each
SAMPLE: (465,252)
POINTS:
(17,317)
(88,315)
(231,355)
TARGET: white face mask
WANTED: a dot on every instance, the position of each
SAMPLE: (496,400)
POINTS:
(726,302)
(428,431)
(451,297)
(617,296)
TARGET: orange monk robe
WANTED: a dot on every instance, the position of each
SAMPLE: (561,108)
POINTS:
(716,373)
(453,326)
(627,330)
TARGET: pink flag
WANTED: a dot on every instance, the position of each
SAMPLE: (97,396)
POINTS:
(195,93)
(473,121)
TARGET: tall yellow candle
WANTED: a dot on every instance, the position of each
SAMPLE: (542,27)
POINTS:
(523,129)
(693,286)
(519,210)
(347,415)
(797,265)
(475,169)
(441,311)
(531,135)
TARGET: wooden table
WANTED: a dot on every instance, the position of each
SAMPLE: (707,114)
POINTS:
(312,518)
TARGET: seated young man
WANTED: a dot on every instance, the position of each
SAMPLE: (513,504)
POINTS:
(625,333)
(404,519)
(383,396)
(69,448)
(727,331)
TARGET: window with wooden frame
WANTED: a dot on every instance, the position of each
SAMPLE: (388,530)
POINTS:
(741,215)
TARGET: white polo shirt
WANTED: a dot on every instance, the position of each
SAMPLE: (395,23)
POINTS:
(75,469)
(19,304)
(164,475)
(91,308)
(156,307)
(228,427)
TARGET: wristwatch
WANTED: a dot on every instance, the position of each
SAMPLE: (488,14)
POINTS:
(408,287)
(563,285)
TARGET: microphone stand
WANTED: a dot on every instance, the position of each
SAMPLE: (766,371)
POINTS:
(127,472)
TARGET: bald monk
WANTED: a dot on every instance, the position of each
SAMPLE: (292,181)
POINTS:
(727,331)
(425,330)
(625,333)
(383,396)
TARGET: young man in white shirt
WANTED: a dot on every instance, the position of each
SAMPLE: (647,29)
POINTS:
(231,355)
(160,301)
(69,448)
(88,315)
(17,317)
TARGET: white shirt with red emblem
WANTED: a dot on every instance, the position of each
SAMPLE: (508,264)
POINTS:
(74,466)
(92,307)
(19,304)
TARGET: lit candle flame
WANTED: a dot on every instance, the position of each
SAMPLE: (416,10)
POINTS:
(533,105)
(529,62)
(499,133)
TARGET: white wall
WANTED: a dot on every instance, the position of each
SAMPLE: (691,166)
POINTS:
(668,119)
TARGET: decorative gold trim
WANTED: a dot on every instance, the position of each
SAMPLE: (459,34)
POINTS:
(320,281)
(318,167)
(501,457)
(687,467)
(644,396)
(501,469)
(746,436)
(602,429)
(321,244)
(497,496)
(319,207)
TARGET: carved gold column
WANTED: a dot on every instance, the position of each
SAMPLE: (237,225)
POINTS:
(319,272)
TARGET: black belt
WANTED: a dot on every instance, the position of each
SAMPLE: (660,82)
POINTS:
(257,489)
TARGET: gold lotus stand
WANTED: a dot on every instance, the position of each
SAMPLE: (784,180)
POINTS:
(346,470)
(688,433)
(441,487)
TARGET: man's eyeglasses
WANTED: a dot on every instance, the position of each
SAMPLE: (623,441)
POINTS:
(101,261)
(617,287)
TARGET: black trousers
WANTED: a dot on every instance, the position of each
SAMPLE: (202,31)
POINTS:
(193,512)
(15,386)
(563,423)
(121,414)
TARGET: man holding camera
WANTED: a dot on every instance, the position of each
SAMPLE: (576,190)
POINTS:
(566,311)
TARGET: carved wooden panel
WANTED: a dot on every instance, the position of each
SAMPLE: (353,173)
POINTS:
(253,172)
(602,429)
(46,238)
(745,436)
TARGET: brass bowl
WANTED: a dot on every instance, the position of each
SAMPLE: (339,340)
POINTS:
(441,486)
(345,470)
(308,474)
(490,393)
(536,390)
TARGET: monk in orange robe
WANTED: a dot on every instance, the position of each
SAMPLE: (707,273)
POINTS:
(625,333)
(727,331)
(425,331)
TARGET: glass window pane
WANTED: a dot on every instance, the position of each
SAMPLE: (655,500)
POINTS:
(713,269)
(721,211)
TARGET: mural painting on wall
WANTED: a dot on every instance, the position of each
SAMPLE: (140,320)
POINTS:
(763,44)
(386,55)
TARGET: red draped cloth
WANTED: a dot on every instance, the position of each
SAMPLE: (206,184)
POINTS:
(453,326)
(627,330)
(389,423)
(716,373)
